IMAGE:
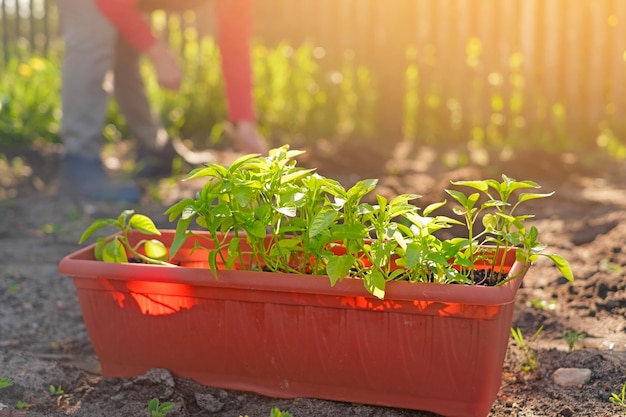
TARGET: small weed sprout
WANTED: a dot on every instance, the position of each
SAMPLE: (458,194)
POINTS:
(56,390)
(571,338)
(539,304)
(619,399)
(5,382)
(13,288)
(277,413)
(531,362)
(157,409)
(23,406)
(63,400)
(51,229)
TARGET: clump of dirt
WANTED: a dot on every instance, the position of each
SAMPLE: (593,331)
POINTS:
(43,341)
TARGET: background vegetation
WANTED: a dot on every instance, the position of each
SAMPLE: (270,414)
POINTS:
(504,77)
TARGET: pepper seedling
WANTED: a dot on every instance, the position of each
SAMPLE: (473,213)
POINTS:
(117,248)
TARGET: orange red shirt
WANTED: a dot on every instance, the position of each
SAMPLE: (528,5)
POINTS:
(235,28)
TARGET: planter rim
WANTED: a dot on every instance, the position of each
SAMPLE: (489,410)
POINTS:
(81,263)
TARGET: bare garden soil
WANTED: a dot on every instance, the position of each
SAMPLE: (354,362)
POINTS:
(43,340)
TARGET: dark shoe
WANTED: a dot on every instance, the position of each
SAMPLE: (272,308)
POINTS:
(84,178)
(155,163)
(158,163)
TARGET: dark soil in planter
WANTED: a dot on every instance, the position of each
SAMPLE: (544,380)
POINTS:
(43,340)
(488,277)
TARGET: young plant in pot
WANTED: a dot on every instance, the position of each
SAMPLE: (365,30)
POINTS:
(504,229)
(119,248)
(290,220)
(291,285)
(265,213)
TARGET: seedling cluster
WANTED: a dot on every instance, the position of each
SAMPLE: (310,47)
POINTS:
(265,213)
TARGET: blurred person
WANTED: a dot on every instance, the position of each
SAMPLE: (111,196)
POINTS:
(110,35)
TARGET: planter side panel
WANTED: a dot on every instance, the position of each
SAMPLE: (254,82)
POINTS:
(302,345)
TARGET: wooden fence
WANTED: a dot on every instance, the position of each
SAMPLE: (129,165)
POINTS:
(27,24)
(470,69)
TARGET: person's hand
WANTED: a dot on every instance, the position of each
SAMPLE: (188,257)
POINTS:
(168,72)
(246,138)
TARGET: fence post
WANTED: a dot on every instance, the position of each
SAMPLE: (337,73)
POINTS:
(390,65)
(5,33)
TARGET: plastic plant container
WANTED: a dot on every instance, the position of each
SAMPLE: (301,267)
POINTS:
(431,347)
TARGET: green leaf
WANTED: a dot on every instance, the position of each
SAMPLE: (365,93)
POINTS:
(144,224)
(256,229)
(292,196)
(152,405)
(472,199)
(404,198)
(287,210)
(400,209)
(338,267)
(494,184)
(232,255)
(177,209)
(458,196)
(361,188)
(236,165)
(438,258)
(289,243)
(165,407)
(375,284)
(464,262)
(295,176)
(114,252)
(531,196)
(479,185)
(459,211)
(242,194)
(95,226)
(213,170)
(534,233)
(366,208)
(445,221)
(432,207)
(97,252)
(512,185)
(264,212)
(277,413)
(350,231)
(324,218)
(155,249)
(490,221)
(413,255)
(219,210)
(563,266)
(5,382)
(382,203)
(290,154)
(180,236)
(494,203)
(212,259)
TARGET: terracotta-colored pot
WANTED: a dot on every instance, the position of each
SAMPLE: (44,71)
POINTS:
(429,347)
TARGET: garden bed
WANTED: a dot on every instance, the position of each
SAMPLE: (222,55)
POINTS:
(43,341)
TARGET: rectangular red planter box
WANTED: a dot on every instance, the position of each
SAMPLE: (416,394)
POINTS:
(430,347)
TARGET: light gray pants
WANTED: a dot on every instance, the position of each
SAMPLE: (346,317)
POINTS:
(92,49)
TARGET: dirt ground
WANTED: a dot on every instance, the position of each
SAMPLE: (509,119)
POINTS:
(43,340)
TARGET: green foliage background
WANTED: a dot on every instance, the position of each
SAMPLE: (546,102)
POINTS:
(299,101)
(296,101)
